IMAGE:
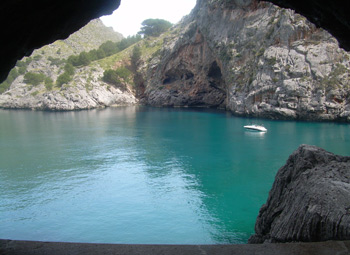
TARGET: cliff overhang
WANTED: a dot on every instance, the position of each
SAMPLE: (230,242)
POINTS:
(29,25)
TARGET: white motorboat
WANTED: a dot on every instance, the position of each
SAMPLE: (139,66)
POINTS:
(256,128)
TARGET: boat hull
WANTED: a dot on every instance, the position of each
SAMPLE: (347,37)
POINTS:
(255,128)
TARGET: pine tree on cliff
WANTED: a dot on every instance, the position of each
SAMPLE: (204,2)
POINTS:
(154,27)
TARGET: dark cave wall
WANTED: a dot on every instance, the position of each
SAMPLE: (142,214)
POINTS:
(27,25)
(333,16)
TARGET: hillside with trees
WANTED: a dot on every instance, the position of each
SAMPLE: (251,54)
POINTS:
(97,71)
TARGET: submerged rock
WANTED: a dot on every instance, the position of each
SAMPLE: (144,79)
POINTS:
(309,200)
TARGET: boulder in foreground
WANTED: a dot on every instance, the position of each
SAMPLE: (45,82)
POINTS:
(309,200)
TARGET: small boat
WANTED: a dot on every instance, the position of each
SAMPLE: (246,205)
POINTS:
(256,128)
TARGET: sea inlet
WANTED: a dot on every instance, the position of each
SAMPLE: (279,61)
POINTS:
(142,175)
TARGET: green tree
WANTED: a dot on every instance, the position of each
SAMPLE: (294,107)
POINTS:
(48,83)
(22,70)
(55,61)
(110,76)
(100,54)
(12,75)
(63,79)
(84,59)
(109,48)
(37,57)
(123,73)
(92,55)
(135,57)
(4,86)
(69,68)
(74,60)
(34,78)
(10,78)
(154,27)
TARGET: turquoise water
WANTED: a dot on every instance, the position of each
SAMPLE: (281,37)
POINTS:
(143,175)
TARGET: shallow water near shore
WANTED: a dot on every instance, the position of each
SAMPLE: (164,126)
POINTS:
(143,175)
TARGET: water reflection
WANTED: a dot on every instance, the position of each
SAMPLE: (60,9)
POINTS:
(142,175)
(255,134)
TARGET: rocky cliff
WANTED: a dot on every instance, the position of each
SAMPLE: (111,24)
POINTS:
(309,200)
(84,90)
(254,59)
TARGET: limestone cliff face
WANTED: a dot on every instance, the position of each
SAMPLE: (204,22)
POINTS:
(254,59)
(187,75)
(86,90)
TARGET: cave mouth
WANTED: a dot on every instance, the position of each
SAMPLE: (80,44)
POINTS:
(215,78)
(214,71)
(180,75)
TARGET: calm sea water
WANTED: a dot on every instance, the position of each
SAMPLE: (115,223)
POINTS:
(143,175)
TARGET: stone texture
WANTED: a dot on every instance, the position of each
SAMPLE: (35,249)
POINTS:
(331,15)
(86,91)
(11,247)
(187,75)
(309,200)
(254,59)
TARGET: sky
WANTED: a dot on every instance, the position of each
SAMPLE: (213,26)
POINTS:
(128,17)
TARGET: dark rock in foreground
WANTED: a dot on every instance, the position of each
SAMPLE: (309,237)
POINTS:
(309,200)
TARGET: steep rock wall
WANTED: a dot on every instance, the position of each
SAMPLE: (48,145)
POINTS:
(190,76)
(273,63)
(330,15)
(309,200)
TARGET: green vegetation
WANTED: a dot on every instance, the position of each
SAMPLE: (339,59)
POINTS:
(34,78)
(135,57)
(10,78)
(105,50)
(115,77)
(55,61)
(48,83)
(69,68)
(333,80)
(63,79)
(111,77)
(37,57)
(154,27)
(4,86)
(271,61)
(21,68)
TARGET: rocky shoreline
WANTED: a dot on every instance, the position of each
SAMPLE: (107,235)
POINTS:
(309,200)
(251,58)
(77,97)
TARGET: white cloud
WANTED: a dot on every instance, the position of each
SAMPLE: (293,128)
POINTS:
(128,17)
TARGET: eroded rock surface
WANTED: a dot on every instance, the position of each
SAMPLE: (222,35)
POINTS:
(85,90)
(254,59)
(330,15)
(309,200)
(88,92)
